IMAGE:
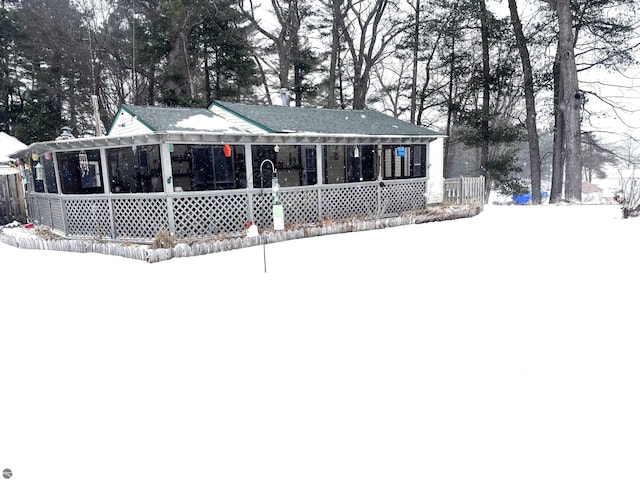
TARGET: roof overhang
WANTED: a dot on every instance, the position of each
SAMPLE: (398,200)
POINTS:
(40,148)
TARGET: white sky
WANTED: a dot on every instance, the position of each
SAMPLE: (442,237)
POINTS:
(499,347)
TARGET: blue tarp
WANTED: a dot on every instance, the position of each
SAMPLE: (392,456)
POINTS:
(522,199)
(526,197)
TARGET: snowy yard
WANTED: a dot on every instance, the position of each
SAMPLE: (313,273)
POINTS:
(504,347)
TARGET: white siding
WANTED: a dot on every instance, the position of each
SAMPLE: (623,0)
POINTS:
(126,124)
(235,121)
(435,186)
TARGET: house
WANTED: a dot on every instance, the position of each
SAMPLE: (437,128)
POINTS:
(205,171)
(591,193)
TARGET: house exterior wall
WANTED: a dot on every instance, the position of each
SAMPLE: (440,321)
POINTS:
(126,124)
(435,186)
(235,121)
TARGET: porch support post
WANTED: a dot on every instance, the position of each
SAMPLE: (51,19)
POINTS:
(319,180)
(248,165)
(167,184)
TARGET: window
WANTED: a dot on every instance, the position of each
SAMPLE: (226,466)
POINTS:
(259,154)
(49,173)
(78,176)
(296,165)
(135,169)
(208,167)
(309,174)
(334,164)
(38,185)
(400,161)
(350,163)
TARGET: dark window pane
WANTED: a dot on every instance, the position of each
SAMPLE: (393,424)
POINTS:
(135,169)
(80,172)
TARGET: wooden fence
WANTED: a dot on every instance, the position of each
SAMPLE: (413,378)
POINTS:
(12,204)
(464,191)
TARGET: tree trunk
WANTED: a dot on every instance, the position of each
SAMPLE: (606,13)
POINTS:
(486,85)
(570,103)
(529,96)
(557,172)
(335,51)
(367,42)
(450,106)
(414,73)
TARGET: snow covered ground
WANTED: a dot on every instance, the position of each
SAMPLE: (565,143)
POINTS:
(504,346)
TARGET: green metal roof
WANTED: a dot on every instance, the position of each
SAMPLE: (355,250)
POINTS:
(324,121)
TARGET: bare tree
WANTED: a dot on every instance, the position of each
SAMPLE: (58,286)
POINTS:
(414,70)
(339,11)
(530,103)
(369,28)
(486,86)
(568,105)
(285,37)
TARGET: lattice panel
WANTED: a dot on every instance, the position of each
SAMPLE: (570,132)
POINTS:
(351,201)
(88,218)
(200,216)
(44,211)
(396,198)
(140,217)
(195,215)
(57,215)
(263,210)
(32,211)
(300,207)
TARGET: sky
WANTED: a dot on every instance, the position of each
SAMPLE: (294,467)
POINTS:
(503,346)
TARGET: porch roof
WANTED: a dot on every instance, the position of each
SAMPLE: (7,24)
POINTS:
(87,143)
(276,119)
(259,124)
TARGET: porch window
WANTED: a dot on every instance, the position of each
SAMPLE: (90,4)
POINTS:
(296,165)
(38,185)
(135,169)
(350,163)
(80,172)
(403,161)
(208,167)
(49,173)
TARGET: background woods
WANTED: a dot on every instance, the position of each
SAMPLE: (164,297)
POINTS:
(511,84)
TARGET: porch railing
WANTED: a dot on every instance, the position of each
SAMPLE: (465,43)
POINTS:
(139,217)
(207,214)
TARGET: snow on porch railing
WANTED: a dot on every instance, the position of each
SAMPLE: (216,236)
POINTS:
(464,190)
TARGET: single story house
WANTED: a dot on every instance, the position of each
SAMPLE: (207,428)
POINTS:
(591,193)
(200,172)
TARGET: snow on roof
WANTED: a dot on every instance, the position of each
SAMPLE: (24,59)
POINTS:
(9,145)
(207,123)
(588,187)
